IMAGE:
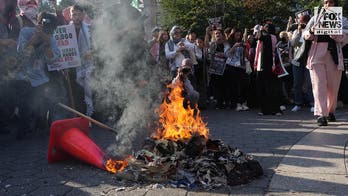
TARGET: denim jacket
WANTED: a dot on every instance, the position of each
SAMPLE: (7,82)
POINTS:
(34,68)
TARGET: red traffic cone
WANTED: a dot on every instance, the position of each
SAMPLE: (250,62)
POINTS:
(68,138)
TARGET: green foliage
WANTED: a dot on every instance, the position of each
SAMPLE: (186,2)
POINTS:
(65,3)
(45,6)
(242,14)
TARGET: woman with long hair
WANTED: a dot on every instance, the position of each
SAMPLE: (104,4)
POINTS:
(325,64)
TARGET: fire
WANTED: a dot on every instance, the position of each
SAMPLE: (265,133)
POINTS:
(178,123)
(116,166)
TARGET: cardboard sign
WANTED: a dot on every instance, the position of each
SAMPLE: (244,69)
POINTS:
(69,55)
(328,22)
(215,22)
(217,66)
(302,13)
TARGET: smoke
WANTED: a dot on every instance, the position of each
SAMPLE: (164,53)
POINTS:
(126,87)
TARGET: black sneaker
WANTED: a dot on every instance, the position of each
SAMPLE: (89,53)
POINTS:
(331,117)
(321,121)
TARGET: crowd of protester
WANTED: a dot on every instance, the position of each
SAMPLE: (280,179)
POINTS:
(29,92)
(261,68)
(231,68)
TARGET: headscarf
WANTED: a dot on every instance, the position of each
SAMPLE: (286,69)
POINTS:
(29,8)
(171,34)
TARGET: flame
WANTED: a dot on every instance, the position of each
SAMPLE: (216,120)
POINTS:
(115,166)
(178,123)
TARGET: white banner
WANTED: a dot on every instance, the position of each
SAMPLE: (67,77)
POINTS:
(69,57)
(329,21)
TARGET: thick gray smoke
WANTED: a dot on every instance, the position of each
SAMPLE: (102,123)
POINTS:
(126,88)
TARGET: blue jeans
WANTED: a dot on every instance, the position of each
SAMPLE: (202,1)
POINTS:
(301,76)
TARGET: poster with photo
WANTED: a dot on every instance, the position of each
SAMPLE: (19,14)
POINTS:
(69,56)
(218,65)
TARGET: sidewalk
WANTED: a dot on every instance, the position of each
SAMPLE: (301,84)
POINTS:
(298,159)
(315,165)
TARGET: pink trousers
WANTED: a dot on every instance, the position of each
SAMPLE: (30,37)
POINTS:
(326,80)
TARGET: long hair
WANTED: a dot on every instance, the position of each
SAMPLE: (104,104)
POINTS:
(232,40)
(335,2)
(10,11)
(160,37)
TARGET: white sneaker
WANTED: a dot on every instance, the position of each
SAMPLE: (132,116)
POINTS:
(296,108)
(312,109)
(282,108)
(239,107)
(245,107)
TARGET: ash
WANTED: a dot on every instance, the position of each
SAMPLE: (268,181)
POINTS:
(196,163)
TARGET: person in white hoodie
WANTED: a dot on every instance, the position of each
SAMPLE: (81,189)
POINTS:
(177,49)
(84,42)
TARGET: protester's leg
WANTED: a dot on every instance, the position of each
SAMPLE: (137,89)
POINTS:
(201,85)
(219,87)
(275,94)
(298,75)
(88,98)
(6,106)
(226,88)
(309,90)
(262,83)
(23,101)
(343,92)
(242,83)
(230,86)
(54,92)
(319,85)
(333,83)
(288,85)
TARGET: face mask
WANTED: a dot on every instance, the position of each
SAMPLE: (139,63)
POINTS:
(283,39)
(28,9)
(31,13)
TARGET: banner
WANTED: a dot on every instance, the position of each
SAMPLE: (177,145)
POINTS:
(328,22)
(69,55)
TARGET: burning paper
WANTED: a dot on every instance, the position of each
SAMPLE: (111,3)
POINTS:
(181,154)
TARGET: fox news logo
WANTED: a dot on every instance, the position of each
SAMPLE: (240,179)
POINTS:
(329,22)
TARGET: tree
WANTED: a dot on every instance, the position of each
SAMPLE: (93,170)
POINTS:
(247,13)
(44,5)
(65,3)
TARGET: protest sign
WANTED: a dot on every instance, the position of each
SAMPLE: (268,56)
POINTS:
(302,13)
(328,21)
(69,55)
(215,22)
(218,65)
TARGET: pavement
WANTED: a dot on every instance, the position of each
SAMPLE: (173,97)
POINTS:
(298,158)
